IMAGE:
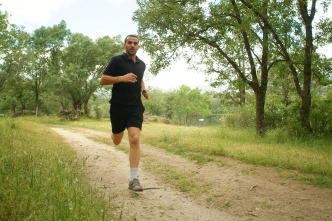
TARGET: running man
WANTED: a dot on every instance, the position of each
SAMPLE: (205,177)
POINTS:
(126,73)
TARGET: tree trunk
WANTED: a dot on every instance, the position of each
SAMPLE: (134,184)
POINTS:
(37,100)
(260,92)
(14,108)
(286,97)
(260,111)
(242,85)
(305,114)
(306,94)
(242,93)
(86,108)
(78,110)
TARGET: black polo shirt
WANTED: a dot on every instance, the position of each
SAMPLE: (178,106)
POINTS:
(126,93)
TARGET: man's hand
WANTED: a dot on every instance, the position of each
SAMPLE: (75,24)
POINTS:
(130,77)
(145,94)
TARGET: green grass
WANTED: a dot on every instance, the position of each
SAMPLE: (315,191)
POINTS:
(41,178)
(84,122)
(316,180)
(309,155)
(178,179)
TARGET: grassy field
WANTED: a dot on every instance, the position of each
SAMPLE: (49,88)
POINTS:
(41,178)
(309,155)
(33,160)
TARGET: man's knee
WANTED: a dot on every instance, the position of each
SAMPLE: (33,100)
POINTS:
(117,138)
(116,142)
(134,138)
(134,134)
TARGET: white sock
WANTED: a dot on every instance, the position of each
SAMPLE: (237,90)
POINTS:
(133,173)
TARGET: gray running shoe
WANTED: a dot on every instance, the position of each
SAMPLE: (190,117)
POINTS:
(134,185)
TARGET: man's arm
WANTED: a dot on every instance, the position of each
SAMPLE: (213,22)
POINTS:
(108,80)
(144,91)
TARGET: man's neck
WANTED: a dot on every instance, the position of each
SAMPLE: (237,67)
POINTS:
(132,57)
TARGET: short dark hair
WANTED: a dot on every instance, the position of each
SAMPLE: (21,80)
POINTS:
(131,36)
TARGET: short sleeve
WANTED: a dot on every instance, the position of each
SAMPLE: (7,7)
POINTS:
(111,67)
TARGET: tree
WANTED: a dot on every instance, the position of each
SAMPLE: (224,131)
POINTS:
(156,105)
(188,103)
(306,15)
(13,43)
(216,31)
(4,46)
(14,85)
(106,48)
(83,63)
(46,45)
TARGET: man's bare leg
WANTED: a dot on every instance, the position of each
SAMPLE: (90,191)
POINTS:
(134,141)
(134,157)
(117,138)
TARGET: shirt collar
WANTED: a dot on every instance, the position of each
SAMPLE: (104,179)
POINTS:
(127,58)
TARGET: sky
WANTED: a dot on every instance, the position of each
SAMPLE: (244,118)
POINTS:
(96,18)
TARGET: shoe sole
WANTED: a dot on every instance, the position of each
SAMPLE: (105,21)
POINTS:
(137,190)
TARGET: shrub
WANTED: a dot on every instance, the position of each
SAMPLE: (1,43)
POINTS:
(99,111)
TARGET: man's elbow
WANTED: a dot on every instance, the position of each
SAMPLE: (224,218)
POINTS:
(102,80)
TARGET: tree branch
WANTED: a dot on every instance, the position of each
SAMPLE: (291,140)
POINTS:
(234,65)
(279,42)
(273,63)
(247,46)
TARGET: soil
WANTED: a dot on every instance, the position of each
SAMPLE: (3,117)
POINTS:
(234,191)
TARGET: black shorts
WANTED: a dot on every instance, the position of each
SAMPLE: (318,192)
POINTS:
(124,116)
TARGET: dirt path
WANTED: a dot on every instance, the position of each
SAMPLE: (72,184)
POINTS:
(236,191)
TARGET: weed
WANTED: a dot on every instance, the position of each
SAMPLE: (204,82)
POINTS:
(227,205)
(246,172)
(185,185)
(209,199)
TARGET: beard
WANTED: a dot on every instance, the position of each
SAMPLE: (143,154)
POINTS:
(131,52)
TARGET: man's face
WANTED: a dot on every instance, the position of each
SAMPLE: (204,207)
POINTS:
(131,46)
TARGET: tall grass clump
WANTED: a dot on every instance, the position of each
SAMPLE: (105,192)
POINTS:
(41,179)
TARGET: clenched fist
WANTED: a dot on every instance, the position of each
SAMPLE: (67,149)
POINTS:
(130,77)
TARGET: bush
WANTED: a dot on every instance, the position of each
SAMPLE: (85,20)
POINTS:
(321,114)
(99,111)
(240,117)
(275,112)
